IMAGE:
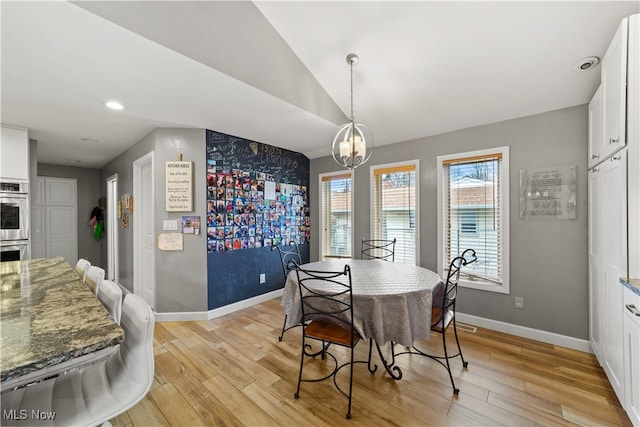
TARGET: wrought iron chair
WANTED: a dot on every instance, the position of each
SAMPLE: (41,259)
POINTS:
(378,249)
(443,314)
(287,254)
(327,316)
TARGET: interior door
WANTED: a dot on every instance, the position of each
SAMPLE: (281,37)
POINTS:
(61,219)
(148,279)
(143,223)
(112,228)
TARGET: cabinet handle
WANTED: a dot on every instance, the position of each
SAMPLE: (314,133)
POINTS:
(632,308)
(595,156)
(613,140)
(596,169)
(615,158)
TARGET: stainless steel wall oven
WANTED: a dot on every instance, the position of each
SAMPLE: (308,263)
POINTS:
(14,211)
(14,250)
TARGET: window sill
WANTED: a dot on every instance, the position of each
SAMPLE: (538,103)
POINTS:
(484,286)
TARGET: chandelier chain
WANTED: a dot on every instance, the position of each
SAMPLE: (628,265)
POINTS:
(351,66)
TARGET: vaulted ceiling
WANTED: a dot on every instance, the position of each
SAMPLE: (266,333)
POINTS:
(275,72)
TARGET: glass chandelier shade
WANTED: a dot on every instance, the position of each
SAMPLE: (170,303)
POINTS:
(353,144)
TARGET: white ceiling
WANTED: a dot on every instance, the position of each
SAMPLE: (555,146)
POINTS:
(275,72)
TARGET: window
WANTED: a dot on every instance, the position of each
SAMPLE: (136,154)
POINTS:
(468,224)
(394,208)
(473,212)
(336,200)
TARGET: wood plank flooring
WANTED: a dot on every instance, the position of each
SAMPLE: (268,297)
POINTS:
(233,371)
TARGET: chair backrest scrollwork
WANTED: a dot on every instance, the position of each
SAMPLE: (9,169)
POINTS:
(378,249)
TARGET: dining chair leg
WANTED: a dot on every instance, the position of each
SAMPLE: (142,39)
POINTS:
(297,393)
(455,331)
(350,386)
(284,324)
(446,358)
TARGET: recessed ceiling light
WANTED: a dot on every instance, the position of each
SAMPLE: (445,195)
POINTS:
(587,63)
(74,161)
(114,105)
(88,140)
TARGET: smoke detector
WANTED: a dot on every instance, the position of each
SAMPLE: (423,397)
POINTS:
(587,63)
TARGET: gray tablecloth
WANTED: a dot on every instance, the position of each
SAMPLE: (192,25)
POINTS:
(392,301)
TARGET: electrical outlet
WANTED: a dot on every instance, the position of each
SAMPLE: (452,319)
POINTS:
(520,302)
(263,278)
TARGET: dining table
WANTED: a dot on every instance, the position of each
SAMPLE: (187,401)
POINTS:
(392,301)
(48,316)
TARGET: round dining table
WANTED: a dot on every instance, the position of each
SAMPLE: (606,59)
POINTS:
(391,301)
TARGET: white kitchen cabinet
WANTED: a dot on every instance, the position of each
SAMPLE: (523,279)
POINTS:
(632,354)
(607,264)
(614,206)
(14,153)
(596,274)
(613,174)
(633,145)
(614,92)
(596,135)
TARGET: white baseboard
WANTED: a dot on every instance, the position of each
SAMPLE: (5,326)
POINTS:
(217,312)
(508,328)
(525,332)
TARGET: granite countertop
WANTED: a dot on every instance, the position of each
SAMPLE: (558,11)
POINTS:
(48,316)
(633,284)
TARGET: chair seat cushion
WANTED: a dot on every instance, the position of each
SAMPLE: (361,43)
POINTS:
(331,332)
(440,322)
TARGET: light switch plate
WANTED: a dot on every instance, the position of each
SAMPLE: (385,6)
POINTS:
(170,225)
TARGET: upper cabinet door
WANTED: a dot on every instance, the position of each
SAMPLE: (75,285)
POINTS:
(614,91)
(14,160)
(596,136)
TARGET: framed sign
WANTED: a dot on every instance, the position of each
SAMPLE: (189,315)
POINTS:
(548,193)
(179,186)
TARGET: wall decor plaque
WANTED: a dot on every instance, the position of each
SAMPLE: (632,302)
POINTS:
(179,186)
(548,193)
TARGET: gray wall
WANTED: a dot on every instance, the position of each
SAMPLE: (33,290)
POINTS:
(89,191)
(123,166)
(548,258)
(181,276)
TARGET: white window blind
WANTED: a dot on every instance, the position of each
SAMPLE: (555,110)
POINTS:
(472,214)
(336,221)
(394,208)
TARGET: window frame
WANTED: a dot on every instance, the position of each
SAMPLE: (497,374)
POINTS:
(483,285)
(321,178)
(372,199)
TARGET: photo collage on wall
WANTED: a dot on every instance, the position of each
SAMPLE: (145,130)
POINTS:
(251,209)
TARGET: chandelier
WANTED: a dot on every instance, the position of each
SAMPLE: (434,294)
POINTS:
(353,144)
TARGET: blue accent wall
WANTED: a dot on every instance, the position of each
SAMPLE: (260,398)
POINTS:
(265,200)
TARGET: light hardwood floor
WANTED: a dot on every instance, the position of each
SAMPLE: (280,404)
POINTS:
(233,371)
